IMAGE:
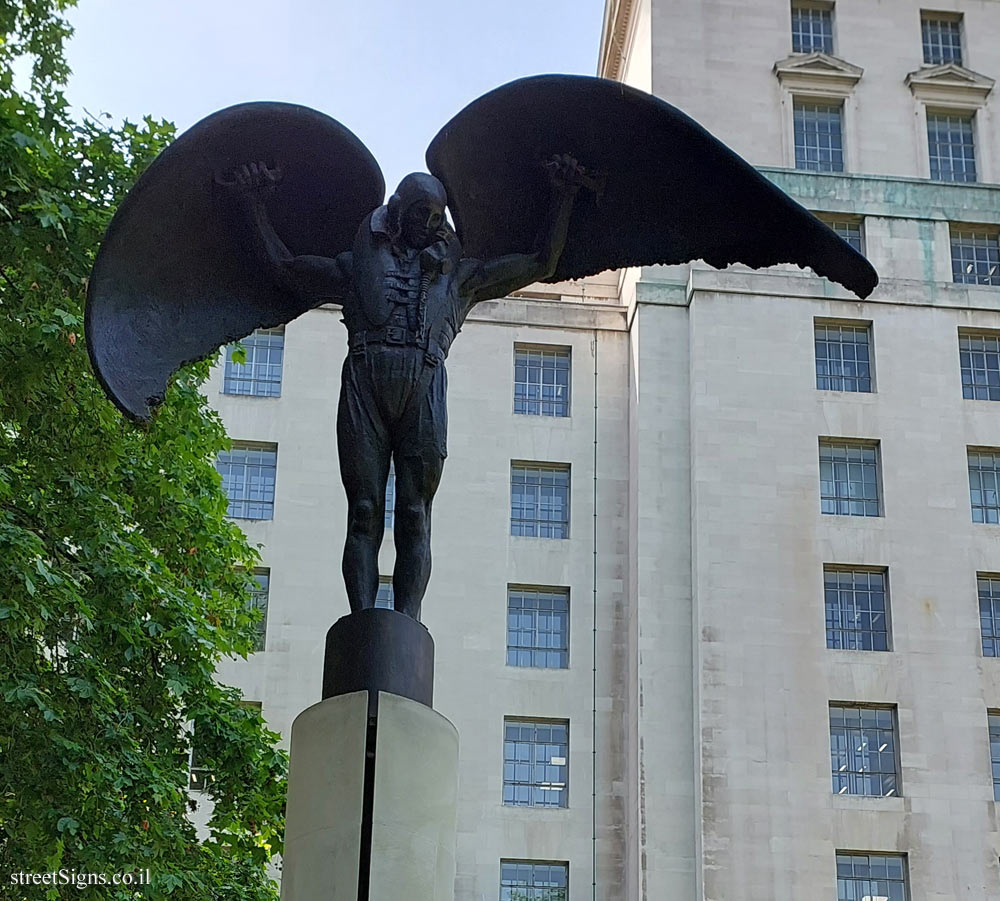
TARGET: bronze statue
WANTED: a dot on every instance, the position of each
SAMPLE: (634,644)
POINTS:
(406,290)
(263,211)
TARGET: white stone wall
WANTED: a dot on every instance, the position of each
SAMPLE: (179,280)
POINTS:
(712,58)
(770,821)
(726,536)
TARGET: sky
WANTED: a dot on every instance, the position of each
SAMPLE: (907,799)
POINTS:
(392,71)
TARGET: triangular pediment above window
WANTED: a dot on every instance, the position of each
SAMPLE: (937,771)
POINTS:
(950,84)
(817,73)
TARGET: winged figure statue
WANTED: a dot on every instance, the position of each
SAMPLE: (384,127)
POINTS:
(265,210)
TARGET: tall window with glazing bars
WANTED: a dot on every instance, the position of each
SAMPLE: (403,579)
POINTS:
(863,756)
(819,135)
(384,597)
(942,38)
(538,627)
(984,475)
(862,876)
(390,497)
(848,229)
(539,500)
(849,477)
(843,356)
(260,374)
(541,380)
(975,254)
(535,763)
(979,357)
(988,585)
(951,146)
(994,725)
(812,27)
(530,880)
(259,597)
(248,475)
(857,608)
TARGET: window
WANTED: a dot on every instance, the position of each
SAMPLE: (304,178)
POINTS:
(535,763)
(847,229)
(812,28)
(994,721)
(539,500)
(248,473)
(951,147)
(979,355)
(871,877)
(856,609)
(942,36)
(989,613)
(526,880)
(260,375)
(975,256)
(819,139)
(258,601)
(848,477)
(199,773)
(538,627)
(541,380)
(843,356)
(384,597)
(983,467)
(390,497)
(863,751)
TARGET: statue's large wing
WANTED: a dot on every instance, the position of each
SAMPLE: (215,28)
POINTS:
(175,279)
(672,192)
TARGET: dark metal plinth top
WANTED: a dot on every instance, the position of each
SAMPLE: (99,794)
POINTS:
(379,650)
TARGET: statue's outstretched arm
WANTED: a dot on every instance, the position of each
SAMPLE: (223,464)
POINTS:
(313,279)
(500,276)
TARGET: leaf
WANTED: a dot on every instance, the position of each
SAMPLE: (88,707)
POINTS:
(68,824)
(168,882)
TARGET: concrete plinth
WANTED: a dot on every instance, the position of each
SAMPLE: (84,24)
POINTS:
(371,828)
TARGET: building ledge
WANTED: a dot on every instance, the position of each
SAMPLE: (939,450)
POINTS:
(889,196)
(802,283)
(555,313)
(869,804)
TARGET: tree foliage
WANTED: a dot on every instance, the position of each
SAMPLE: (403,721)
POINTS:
(122,583)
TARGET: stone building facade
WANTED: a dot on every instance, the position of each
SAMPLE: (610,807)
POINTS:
(715,591)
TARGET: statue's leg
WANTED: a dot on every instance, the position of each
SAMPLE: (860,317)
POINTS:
(417,479)
(363,447)
(419,451)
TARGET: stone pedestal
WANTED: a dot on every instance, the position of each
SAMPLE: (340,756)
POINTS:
(373,783)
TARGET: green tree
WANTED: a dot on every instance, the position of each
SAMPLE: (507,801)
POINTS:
(122,583)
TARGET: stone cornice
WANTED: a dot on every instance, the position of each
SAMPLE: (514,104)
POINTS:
(803,284)
(614,36)
(817,73)
(889,196)
(950,85)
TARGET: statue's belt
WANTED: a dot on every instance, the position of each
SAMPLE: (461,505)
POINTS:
(396,336)
(389,334)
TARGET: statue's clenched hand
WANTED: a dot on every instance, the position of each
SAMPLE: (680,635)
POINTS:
(251,180)
(567,176)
